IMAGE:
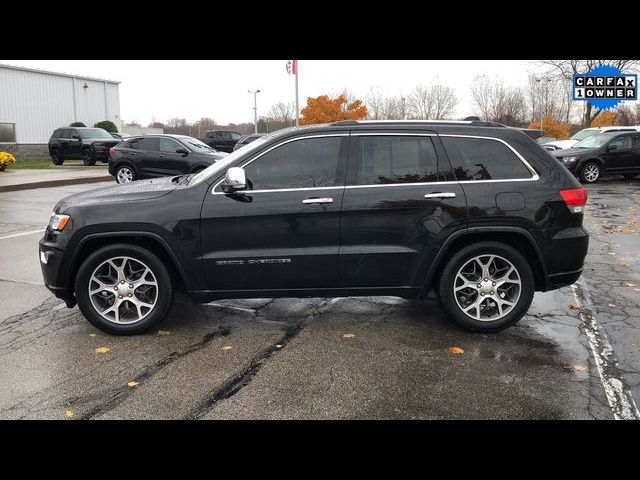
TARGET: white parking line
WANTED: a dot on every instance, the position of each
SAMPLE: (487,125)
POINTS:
(22,234)
(618,395)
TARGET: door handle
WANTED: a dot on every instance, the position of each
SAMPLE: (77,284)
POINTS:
(440,195)
(317,200)
(161,156)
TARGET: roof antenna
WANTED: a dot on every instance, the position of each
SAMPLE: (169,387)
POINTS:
(471,119)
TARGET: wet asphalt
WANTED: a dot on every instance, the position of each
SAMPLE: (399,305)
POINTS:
(344,358)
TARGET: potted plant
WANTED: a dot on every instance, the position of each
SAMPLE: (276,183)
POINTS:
(6,159)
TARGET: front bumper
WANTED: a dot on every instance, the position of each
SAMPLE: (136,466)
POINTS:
(52,266)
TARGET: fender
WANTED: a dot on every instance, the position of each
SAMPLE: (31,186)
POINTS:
(468,231)
(127,233)
(598,160)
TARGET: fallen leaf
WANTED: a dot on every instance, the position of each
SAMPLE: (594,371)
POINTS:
(539,315)
(348,335)
(455,350)
(68,414)
(164,332)
(133,384)
(636,289)
(611,305)
(612,253)
(574,306)
(580,368)
(279,345)
(103,349)
(630,284)
(227,347)
(92,334)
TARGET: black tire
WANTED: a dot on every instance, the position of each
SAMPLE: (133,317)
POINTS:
(164,297)
(56,157)
(87,157)
(629,176)
(459,259)
(119,173)
(585,172)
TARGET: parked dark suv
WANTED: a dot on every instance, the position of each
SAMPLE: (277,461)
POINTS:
(150,156)
(222,140)
(476,211)
(607,153)
(86,144)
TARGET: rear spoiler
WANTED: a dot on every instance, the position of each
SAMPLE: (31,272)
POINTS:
(533,133)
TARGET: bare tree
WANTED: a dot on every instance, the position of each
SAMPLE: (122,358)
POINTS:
(202,125)
(432,102)
(283,113)
(627,115)
(498,103)
(374,101)
(567,68)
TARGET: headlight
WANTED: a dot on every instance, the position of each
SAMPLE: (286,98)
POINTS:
(569,159)
(58,222)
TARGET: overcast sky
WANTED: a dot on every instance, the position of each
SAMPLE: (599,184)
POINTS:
(191,89)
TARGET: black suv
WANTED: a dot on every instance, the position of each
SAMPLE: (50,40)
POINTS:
(222,140)
(476,211)
(86,144)
(152,156)
(608,153)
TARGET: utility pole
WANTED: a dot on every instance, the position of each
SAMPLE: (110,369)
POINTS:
(255,107)
(404,111)
(295,72)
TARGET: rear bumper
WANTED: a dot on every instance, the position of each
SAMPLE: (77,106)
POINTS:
(565,257)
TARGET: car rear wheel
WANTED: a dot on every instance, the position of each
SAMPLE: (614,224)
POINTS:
(125,174)
(87,157)
(486,287)
(56,157)
(123,289)
(590,172)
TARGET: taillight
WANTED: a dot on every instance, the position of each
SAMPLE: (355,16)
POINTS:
(575,198)
(111,150)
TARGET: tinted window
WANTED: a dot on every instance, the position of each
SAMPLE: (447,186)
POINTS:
(7,132)
(65,133)
(234,136)
(636,141)
(483,159)
(392,159)
(132,144)
(72,133)
(169,145)
(148,144)
(623,142)
(299,164)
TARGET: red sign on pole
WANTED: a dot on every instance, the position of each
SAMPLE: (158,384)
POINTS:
(294,67)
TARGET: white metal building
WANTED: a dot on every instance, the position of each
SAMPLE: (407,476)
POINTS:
(35,102)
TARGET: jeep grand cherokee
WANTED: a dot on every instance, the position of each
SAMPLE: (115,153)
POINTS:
(476,211)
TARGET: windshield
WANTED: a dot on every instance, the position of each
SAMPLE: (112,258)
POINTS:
(587,132)
(94,133)
(222,165)
(196,145)
(593,141)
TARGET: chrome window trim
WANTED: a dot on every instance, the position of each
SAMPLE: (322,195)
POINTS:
(533,178)
(213,192)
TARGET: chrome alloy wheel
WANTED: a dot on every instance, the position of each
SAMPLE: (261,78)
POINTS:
(124,175)
(591,173)
(487,287)
(123,290)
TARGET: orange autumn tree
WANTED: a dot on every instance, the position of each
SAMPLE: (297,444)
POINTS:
(323,109)
(552,127)
(605,119)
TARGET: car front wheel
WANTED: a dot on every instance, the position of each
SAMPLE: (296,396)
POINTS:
(125,174)
(590,172)
(123,289)
(56,157)
(486,287)
(87,157)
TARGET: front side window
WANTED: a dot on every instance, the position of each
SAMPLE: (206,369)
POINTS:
(305,163)
(169,145)
(483,159)
(150,144)
(622,143)
(392,159)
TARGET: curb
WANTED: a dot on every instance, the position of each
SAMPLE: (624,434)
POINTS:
(54,183)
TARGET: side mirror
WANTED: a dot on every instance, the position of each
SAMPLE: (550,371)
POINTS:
(611,147)
(76,137)
(183,151)
(235,179)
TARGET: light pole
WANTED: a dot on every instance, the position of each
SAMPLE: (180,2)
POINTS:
(255,107)
(404,110)
(539,80)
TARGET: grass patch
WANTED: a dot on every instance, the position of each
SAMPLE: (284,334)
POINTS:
(31,164)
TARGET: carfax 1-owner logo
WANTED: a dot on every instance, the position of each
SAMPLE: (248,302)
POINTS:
(605,86)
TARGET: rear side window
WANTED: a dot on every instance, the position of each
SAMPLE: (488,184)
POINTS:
(483,159)
(392,159)
(148,144)
(622,143)
(305,163)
